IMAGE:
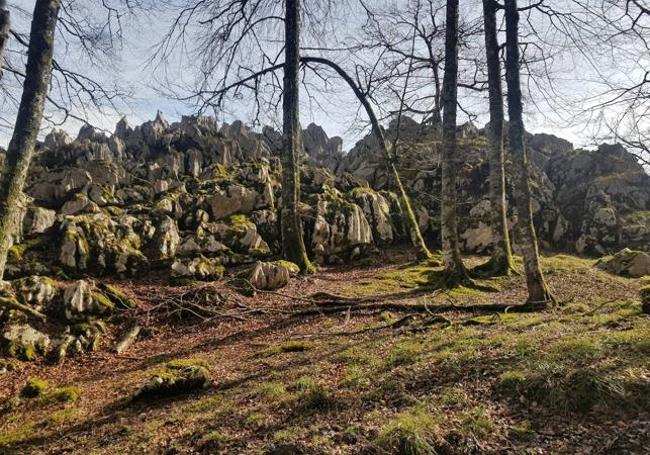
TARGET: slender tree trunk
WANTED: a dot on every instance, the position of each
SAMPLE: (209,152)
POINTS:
(409,216)
(28,121)
(293,243)
(5,26)
(501,261)
(454,268)
(538,292)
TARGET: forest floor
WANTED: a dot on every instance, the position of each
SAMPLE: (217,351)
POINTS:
(573,380)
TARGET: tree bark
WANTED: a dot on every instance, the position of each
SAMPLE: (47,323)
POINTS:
(410,219)
(293,243)
(5,26)
(538,291)
(501,261)
(28,120)
(454,268)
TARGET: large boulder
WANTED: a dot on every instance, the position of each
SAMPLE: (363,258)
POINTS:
(626,262)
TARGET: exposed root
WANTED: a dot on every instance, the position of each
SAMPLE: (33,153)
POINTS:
(13,304)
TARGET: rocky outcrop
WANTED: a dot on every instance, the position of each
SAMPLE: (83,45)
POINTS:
(191,195)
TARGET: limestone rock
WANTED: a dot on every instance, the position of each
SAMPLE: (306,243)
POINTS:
(340,227)
(235,199)
(38,220)
(377,211)
(35,291)
(166,239)
(626,262)
(57,139)
(200,267)
(23,341)
(271,275)
(82,300)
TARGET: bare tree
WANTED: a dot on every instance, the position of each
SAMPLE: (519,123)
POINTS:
(501,261)
(30,114)
(5,27)
(410,220)
(539,294)
(293,244)
(455,270)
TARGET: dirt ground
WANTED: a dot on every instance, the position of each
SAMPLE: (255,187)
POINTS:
(571,380)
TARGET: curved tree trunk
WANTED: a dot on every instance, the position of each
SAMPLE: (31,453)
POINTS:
(5,26)
(538,292)
(409,216)
(28,121)
(501,261)
(293,244)
(454,268)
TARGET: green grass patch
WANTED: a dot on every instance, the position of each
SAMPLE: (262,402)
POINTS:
(413,432)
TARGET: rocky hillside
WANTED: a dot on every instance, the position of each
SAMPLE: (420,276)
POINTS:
(192,198)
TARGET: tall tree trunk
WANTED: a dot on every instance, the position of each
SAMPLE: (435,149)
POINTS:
(501,261)
(30,113)
(538,291)
(293,243)
(410,219)
(454,269)
(5,26)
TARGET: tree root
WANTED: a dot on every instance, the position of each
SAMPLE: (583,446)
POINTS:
(13,304)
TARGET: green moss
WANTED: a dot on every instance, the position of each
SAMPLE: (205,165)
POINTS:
(17,252)
(118,297)
(215,440)
(67,394)
(176,377)
(240,223)
(35,387)
(15,436)
(287,346)
(413,432)
(179,364)
(287,265)
(102,301)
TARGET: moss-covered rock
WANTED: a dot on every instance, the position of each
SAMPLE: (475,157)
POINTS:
(35,387)
(175,378)
(200,268)
(24,342)
(626,262)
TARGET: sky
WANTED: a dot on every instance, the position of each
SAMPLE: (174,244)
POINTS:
(336,110)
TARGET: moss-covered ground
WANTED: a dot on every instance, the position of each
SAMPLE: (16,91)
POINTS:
(572,380)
